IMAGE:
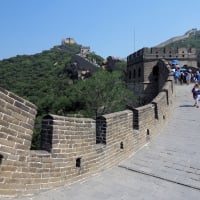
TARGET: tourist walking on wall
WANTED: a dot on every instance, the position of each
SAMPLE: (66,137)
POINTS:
(196,94)
(182,78)
(188,77)
(177,75)
(197,77)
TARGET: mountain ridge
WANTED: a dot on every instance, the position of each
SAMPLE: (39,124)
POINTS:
(178,38)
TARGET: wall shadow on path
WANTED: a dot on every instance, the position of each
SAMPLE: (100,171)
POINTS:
(186,105)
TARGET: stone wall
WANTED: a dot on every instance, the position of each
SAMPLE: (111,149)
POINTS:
(16,124)
(72,148)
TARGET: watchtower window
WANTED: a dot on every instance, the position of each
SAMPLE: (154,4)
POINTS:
(139,72)
(134,73)
(155,70)
(129,75)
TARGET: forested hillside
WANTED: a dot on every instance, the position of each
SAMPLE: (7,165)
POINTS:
(49,80)
(36,75)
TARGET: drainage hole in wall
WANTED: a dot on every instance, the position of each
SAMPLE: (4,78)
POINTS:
(78,162)
(121,145)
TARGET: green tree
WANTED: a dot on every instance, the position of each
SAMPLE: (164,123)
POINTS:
(104,93)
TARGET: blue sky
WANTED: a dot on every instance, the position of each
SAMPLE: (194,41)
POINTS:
(109,27)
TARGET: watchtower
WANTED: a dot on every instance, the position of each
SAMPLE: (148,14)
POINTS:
(144,68)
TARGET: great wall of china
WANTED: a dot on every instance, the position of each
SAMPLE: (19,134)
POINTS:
(73,149)
(178,38)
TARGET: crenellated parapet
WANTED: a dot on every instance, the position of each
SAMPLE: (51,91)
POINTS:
(186,56)
(73,149)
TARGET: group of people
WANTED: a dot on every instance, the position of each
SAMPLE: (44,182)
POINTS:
(189,77)
(186,76)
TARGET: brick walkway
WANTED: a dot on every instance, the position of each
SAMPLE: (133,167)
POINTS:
(168,168)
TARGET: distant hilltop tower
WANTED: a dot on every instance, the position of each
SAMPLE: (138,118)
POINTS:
(68,41)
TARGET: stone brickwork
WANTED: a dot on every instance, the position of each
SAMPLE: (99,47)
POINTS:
(73,148)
